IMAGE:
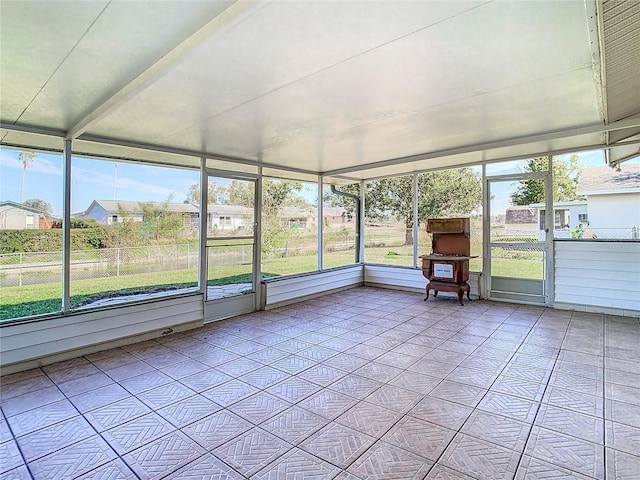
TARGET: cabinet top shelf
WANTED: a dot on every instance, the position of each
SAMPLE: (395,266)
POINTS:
(446,257)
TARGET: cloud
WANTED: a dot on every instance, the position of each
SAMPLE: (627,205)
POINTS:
(41,164)
(126,183)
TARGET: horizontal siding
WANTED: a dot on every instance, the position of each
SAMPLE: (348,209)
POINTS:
(228,307)
(406,278)
(281,290)
(383,275)
(23,342)
(591,275)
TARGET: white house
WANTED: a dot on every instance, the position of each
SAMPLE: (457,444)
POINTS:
(110,212)
(613,200)
(567,216)
(229,217)
(16,216)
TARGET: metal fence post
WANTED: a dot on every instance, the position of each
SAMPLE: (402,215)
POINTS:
(20,271)
(118,262)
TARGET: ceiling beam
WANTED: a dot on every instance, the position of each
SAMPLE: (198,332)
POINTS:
(543,137)
(190,153)
(154,72)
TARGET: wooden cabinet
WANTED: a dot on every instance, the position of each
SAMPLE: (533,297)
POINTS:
(447,266)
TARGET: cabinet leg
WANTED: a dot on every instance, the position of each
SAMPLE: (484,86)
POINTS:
(426,291)
(460,293)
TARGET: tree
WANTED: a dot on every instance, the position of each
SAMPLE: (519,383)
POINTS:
(26,157)
(39,205)
(565,181)
(441,193)
(158,216)
(217,194)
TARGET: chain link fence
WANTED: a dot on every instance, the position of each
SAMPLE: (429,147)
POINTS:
(33,268)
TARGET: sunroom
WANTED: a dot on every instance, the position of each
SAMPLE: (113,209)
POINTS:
(260,165)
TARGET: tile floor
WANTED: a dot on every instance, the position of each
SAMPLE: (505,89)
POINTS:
(365,383)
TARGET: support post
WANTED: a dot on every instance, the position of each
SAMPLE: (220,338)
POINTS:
(202,238)
(66,228)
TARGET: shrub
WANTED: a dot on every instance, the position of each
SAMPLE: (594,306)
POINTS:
(50,240)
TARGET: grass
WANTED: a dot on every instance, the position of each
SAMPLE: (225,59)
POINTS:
(17,302)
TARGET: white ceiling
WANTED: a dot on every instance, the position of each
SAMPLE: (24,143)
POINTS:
(350,90)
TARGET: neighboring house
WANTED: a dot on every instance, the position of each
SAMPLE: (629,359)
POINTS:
(110,212)
(295,217)
(613,200)
(521,219)
(567,216)
(229,217)
(16,216)
(334,215)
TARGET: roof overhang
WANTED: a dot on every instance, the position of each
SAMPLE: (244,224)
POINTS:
(346,90)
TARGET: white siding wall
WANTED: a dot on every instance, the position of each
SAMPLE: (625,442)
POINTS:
(292,289)
(26,345)
(407,278)
(598,276)
(573,214)
(614,211)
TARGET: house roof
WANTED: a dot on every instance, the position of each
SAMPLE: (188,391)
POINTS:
(10,203)
(297,212)
(213,209)
(606,180)
(115,206)
(346,90)
(521,214)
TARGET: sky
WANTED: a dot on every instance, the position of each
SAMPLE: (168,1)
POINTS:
(94,180)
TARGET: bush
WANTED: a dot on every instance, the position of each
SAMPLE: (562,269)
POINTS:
(15,241)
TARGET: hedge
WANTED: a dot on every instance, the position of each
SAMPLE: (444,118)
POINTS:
(15,241)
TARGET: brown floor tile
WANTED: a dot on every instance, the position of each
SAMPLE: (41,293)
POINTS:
(230,392)
(571,422)
(251,451)
(138,432)
(394,398)
(420,437)
(480,459)
(337,444)
(328,403)
(442,412)
(55,437)
(73,461)
(41,417)
(216,429)
(503,431)
(298,464)
(294,424)
(384,461)
(621,465)
(458,392)
(166,454)
(509,406)
(567,452)
(623,438)
(355,386)
(368,418)
(438,382)
(259,407)
(531,468)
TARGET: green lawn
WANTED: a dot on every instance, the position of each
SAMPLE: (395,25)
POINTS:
(16,302)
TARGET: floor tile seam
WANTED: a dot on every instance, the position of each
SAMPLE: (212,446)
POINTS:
(459,430)
(535,417)
(14,439)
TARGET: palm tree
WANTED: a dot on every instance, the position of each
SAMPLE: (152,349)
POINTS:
(26,158)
